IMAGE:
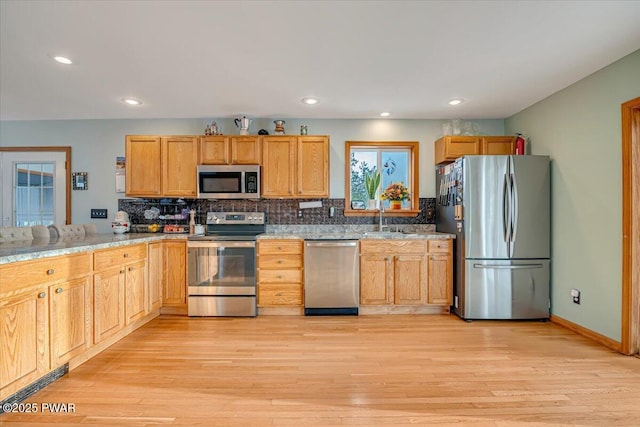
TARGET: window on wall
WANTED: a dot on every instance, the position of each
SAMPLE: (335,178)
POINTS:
(397,162)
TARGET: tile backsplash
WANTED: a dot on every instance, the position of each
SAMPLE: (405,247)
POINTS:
(278,211)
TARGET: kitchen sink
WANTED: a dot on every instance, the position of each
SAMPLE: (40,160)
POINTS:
(387,234)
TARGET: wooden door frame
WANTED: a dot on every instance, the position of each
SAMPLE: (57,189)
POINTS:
(630,226)
(67,151)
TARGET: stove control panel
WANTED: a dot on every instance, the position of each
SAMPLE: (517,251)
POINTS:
(235,218)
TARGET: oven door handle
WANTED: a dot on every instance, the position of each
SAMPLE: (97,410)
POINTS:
(214,244)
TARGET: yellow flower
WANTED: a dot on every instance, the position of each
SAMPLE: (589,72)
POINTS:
(395,191)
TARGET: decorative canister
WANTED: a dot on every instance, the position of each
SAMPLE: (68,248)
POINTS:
(303,129)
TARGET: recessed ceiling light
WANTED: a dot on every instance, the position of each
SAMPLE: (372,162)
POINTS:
(309,101)
(63,60)
(131,101)
(456,101)
(385,114)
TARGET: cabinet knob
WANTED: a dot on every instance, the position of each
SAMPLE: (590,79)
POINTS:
(126,255)
(58,290)
(130,268)
(279,261)
(42,295)
(279,276)
(50,271)
(121,271)
(387,258)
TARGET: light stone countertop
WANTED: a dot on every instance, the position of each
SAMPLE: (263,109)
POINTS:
(36,249)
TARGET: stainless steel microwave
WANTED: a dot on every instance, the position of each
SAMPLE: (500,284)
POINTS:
(229,182)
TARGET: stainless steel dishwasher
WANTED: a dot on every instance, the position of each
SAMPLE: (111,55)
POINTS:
(331,277)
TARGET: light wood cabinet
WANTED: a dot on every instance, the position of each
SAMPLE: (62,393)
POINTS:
(450,147)
(119,289)
(179,164)
(393,272)
(39,328)
(440,272)
(155,270)
(295,166)
(280,273)
(230,150)
(174,286)
(24,338)
(71,319)
(161,166)
(143,166)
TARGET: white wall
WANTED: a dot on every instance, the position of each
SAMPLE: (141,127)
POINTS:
(96,144)
(580,128)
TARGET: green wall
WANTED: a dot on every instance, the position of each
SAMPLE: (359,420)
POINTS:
(580,128)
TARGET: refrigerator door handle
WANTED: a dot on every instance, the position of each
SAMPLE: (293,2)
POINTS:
(505,209)
(514,208)
(508,267)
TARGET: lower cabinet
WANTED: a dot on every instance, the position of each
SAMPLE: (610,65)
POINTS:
(174,277)
(393,272)
(406,272)
(119,289)
(280,273)
(155,274)
(70,316)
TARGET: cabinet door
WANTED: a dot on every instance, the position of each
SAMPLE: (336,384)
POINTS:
(313,166)
(142,166)
(135,291)
(440,281)
(179,165)
(410,284)
(496,145)
(278,166)
(155,277)
(70,305)
(24,339)
(245,150)
(174,292)
(214,150)
(108,303)
(376,279)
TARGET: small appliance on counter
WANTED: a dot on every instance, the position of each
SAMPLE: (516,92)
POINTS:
(121,223)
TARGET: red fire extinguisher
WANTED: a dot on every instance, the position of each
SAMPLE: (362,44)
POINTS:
(519,144)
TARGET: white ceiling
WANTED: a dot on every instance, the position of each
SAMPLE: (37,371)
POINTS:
(204,59)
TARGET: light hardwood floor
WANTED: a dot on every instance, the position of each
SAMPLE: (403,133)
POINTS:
(369,370)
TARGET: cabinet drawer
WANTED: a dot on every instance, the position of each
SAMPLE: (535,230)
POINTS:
(27,273)
(280,295)
(273,247)
(440,246)
(280,261)
(107,258)
(392,246)
(280,276)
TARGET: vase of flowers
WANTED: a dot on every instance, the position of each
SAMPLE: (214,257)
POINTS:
(396,192)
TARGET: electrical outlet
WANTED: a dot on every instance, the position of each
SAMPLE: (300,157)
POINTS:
(99,213)
(575,294)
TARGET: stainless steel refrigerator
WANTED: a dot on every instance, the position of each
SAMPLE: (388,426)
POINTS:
(499,209)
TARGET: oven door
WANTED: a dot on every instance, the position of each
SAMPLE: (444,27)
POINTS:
(222,268)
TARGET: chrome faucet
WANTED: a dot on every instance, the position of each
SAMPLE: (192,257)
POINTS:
(381,227)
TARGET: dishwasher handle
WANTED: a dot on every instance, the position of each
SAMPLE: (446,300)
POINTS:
(332,244)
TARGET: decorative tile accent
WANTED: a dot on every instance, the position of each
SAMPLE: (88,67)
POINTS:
(278,211)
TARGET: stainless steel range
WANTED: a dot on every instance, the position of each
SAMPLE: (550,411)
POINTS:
(222,265)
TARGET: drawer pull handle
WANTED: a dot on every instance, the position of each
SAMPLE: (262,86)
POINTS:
(42,295)
(50,271)
(58,290)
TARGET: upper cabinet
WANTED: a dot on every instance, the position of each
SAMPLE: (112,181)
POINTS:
(450,147)
(295,166)
(159,166)
(230,150)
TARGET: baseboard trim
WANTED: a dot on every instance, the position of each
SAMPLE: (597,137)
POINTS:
(587,333)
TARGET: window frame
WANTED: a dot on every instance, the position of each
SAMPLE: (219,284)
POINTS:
(413,147)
